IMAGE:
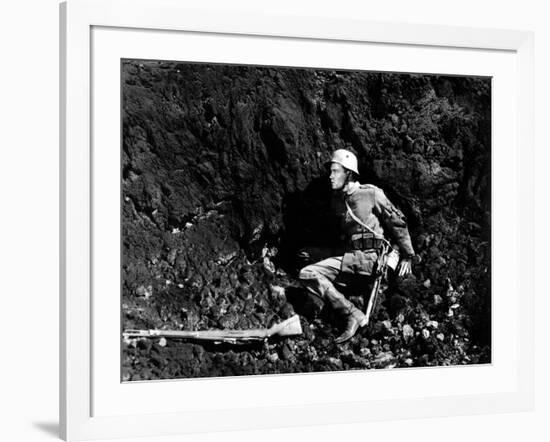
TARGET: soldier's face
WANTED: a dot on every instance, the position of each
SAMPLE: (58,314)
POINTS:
(338,176)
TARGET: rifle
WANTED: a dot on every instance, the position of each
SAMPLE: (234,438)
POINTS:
(381,264)
(289,327)
(389,257)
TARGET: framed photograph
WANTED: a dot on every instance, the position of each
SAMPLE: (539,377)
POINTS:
(273,215)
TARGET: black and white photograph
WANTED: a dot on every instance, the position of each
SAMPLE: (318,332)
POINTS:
(265,221)
(284,220)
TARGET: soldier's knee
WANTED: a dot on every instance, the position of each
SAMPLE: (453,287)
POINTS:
(308,273)
(314,281)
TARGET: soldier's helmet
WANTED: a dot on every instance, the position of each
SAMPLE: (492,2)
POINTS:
(345,158)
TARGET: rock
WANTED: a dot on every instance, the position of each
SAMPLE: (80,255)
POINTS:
(336,362)
(379,329)
(229,321)
(384,360)
(440,336)
(365,352)
(286,353)
(286,311)
(312,353)
(408,331)
(268,265)
(277,291)
(226,258)
(190,317)
(162,342)
(157,360)
(145,292)
(397,301)
(172,256)
(425,333)
(144,344)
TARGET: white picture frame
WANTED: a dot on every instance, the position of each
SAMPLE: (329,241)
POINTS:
(79,366)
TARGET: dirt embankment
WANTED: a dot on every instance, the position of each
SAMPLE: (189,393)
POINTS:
(223,182)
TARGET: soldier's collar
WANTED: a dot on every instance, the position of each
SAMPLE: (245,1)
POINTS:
(351,188)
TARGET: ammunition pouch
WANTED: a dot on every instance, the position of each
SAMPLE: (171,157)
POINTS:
(366,241)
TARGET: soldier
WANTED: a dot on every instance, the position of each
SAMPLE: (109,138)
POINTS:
(368,213)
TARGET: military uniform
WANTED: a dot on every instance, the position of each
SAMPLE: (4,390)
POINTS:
(370,205)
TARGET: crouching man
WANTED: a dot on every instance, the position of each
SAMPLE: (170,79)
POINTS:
(368,215)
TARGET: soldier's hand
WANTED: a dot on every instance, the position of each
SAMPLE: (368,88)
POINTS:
(404,267)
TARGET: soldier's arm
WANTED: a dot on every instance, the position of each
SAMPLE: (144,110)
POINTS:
(394,221)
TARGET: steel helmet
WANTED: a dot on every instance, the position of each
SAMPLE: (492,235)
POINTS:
(346,158)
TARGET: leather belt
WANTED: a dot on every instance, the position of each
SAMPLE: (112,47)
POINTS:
(366,241)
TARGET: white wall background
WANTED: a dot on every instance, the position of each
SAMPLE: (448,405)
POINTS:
(29,220)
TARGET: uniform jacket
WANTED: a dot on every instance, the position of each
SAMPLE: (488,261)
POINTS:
(372,207)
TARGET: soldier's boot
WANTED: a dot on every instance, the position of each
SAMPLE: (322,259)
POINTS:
(355,317)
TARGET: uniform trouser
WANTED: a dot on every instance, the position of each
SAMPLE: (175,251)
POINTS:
(318,278)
